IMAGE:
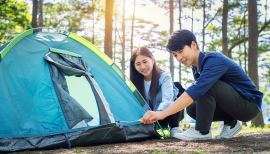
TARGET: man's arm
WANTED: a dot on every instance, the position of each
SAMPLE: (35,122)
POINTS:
(182,102)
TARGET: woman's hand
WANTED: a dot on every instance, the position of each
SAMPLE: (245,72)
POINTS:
(151,117)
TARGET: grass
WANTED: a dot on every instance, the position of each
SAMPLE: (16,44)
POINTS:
(77,149)
(246,130)
(166,132)
(215,132)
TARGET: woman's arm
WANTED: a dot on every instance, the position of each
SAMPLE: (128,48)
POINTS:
(182,102)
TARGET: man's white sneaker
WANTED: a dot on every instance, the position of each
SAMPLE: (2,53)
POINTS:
(228,132)
(175,130)
(192,134)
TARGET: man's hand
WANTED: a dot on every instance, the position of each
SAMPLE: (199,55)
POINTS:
(151,117)
(182,102)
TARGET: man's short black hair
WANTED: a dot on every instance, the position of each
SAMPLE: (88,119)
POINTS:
(179,39)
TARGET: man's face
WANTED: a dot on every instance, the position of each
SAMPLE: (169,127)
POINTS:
(185,56)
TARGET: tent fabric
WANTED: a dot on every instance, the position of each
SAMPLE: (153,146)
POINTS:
(3,46)
(31,110)
(13,42)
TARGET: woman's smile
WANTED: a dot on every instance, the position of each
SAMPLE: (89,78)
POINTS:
(145,71)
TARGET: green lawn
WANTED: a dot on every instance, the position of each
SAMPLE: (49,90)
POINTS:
(215,132)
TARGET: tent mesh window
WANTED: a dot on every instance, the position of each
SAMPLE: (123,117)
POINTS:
(79,95)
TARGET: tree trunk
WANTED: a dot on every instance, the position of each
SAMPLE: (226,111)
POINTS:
(115,37)
(123,43)
(192,19)
(132,27)
(180,27)
(253,53)
(171,31)
(34,13)
(265,11)
(40,18)
(224,29)
(240,54)
(245,47)
(203,26)
(93,26)
(108,28)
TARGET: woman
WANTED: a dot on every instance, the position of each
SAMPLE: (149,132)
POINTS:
(222,91)
(155,85)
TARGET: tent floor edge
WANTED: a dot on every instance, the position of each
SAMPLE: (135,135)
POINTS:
(110,133)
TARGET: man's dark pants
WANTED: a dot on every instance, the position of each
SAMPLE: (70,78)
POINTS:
(221,103)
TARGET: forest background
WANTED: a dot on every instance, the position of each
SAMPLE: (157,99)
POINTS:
(239,29)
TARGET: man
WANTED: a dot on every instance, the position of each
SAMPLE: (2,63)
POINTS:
(222,91)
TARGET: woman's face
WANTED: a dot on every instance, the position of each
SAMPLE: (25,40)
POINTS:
(144,65)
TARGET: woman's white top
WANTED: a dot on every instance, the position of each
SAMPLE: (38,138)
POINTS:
(147,88)
(165,96)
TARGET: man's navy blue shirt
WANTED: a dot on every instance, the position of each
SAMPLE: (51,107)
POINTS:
(215,66)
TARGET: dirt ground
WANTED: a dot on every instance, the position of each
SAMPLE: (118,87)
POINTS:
(258,142)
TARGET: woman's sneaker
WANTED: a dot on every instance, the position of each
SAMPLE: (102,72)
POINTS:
(192,134)
(175,130)
(228,132)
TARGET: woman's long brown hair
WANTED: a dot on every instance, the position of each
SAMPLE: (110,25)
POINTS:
(138,79)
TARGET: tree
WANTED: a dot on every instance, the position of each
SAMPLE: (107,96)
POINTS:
(265,11)
(89,11)
(72,13)
(224,28)
(171,8)
(14,19)
(253,52)
(132,27)
(93,11)
(180,27)
(123,41)
(171,31)
(116,50)
(245,47)
(34,13)
(236,28)
(203,32)
(40,18)
(108,28)
(266,67)
(93,26)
